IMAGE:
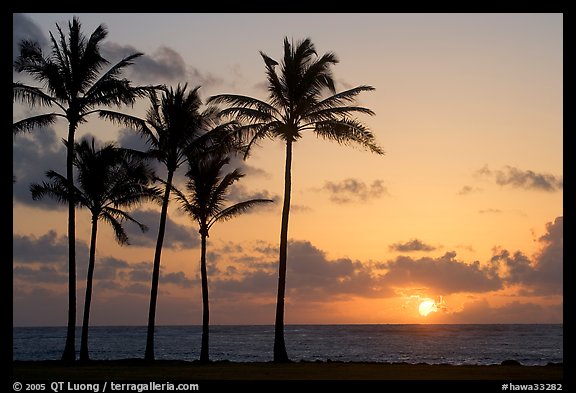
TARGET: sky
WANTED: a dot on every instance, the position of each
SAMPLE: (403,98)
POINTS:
(464,209)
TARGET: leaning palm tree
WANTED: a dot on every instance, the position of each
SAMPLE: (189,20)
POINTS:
(73,82)
(298,103)
(175,129)
(110,179)
(207,187)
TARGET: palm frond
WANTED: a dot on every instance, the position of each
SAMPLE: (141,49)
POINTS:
(240,101)
(31,123)
(119,232)
(52,190)
(124,119)
(236,210)
(348,132)
(335,112)
(342,97)
(31,95)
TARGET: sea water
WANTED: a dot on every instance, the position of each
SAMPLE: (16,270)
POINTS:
(529,344)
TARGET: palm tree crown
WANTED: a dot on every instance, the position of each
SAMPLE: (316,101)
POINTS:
(72,81)
(297,102)
(208,188)
(72,78)
(110,179)
(176,130)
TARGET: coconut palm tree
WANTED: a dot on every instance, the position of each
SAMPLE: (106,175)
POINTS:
(175,129)
(208,187)
(110,179)
(73,83)
(298,103)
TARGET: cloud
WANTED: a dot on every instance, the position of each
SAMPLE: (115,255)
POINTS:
(237,162)
(485,211)
(354,190)
(544,274)
(480,311)
(44,274)
(39,307)
(177,278)
(446,274)
(164,64)
(33,155)
(176,236)
(44,260)
(239,193)
(48,248)
(24,28)
(412,245)
(108,268)
(466,190)
(524,179)
(310,276)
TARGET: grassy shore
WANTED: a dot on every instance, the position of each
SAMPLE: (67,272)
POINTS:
(139,370)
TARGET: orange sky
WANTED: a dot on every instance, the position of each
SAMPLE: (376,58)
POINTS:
(466,204)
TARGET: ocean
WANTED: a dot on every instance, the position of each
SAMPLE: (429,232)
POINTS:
(474,344)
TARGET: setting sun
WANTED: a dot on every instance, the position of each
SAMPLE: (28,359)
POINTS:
(427,306)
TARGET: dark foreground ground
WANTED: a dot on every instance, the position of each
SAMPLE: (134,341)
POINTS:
(139,370)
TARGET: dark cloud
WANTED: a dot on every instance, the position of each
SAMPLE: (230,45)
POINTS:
(310,275)
(44,274)
(469,190)
(525,179)
(24,28)
(39,307)
(43,260)
(238,193)
(354,190)
(165,64)
(33,155)
(130,308)
(177,278)
(237,162)
(108,267)
(412,245)
(176,236)
(48,248)
(446,274)
(544,274)
(130,139)
(480,311)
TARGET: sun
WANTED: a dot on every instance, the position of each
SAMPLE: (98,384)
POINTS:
(427,306)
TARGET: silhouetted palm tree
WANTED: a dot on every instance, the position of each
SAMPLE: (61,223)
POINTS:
(208,187)
(110,179)
(297,104)
(175,130)
(73,83)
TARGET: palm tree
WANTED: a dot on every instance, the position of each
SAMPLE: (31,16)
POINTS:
(110,179)
(72,82)
(296,104)
(175,130)
(207,188)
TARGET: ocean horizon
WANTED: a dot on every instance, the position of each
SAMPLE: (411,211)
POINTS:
(457,344)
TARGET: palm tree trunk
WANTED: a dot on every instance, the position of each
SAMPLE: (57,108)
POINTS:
(204,356)
(84,356)
(280,354)
(149,354)
(69,354)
